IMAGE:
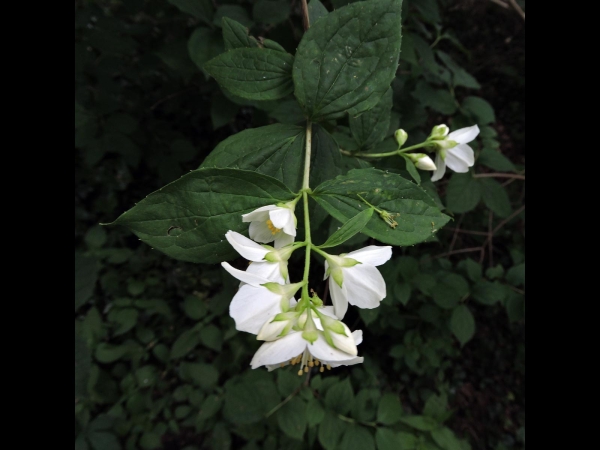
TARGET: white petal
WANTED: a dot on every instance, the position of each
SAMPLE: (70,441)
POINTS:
(372,255)
(326,267)
(261,214)
(279,351)
(338,298)
(365,286)
(246,277)
(440,170)
(267,270)
(271,329)
(290,228)
(350,362)
(252,306)
(246,247)
(456,163)
(320,349)
(327,311)
(464,135)
(282,239)
(358,336)
(345,342)
(281,216)
(463,152)
(260,232)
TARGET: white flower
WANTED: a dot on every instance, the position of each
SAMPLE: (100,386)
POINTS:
(294,348)
(267,262)
(354,279)
(258,300)
(272,223)
(453,151)
(422,161)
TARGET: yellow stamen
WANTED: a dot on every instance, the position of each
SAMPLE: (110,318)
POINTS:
(273,228)
(328,367)
(306,369)
(300,372)
(322,369)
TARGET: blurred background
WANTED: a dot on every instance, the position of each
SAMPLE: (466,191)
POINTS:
(158,362)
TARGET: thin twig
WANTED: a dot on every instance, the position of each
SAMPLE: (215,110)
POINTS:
(500,3)
(287,399)
(499,175)
(478,233)
(517,8)
(455,236)
(454,252)
(305,19)
(508,219)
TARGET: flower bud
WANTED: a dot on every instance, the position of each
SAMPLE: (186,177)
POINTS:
(400,136)
(344,342)
(422,161)
(439,132)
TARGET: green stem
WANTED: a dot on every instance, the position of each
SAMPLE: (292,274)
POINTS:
(305,189)
(383,155)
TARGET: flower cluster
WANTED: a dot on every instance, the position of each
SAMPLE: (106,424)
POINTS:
(451,149)
(304,331)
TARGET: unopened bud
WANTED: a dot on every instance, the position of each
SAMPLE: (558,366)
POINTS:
(439,132)
(401,136)
(421,160)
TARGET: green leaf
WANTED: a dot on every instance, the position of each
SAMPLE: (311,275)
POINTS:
(201,9)
(235,12)
(371,127)
(495,160)
(291,418)
(314,412)
(402,292)
(331,431)
(203,375)
(235,35)
(479,109)
(253,73)
(188,218)
(448,291)
(473,269)
(194,307)
(495,197)
(421,423)
(418,216)
(248,401)
(125,319)
(515,306)
(203,45)
(516,275)
(445,438)
(185,343)
(357,438)
(366,404)
(340,397)
(83,361)
(462,324)
(349,229)
(463,193)
(316,11)
(389,411)
(440,100)
(346,60)
(86,275)
(210,406)
(460,76)
(326,160)
(275,150)
(271,11)
(488,293)
(412,169)
(390,440)
(95,237)
(211,337)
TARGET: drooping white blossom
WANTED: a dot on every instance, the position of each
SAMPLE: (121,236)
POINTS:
(267,261)
(354,278)
(258,300)
(452,149)
(272,223)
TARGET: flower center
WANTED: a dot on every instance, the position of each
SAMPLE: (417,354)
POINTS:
(306,360)
(273,228)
